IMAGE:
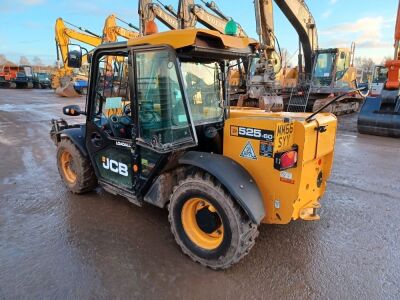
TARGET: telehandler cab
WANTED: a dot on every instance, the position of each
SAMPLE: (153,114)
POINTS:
(159,130)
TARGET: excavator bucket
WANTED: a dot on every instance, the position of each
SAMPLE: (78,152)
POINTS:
(67,91)
(381,115)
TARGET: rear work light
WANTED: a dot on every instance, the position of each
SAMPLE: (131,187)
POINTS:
(286,160)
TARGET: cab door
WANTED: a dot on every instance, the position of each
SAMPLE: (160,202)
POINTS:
(109,126)
(162,111)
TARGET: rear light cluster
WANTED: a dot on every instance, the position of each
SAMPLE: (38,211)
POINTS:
(286,160)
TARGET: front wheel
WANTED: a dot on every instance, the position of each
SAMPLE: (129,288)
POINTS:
(75,169)
(208,224)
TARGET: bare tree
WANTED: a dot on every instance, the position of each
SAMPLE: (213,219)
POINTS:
(365,66)
(5,61)
(37,61)
(364,63)
(24,61)
(385,59)
(285,55)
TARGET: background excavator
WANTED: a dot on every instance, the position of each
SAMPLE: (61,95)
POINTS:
(266,80)
(259,87)
(381,115)
(65,81)
(326,73)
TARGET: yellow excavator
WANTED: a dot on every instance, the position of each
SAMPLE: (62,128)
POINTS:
(325,74)
(64,79)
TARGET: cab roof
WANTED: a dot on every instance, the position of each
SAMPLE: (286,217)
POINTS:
(183,38)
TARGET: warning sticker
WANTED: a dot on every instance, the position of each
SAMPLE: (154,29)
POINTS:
(266,149)
(286,177)
(248,152)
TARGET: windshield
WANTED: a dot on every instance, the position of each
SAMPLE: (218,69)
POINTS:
(43,76)
(204,91)
(323,69)
(380,74)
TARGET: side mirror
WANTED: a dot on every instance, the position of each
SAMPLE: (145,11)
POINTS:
(342,55)
(74,56)
(72,110)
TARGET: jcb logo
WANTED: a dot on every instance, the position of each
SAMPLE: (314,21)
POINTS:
(115,166)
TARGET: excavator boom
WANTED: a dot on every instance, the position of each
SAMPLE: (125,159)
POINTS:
(64,34)
(265,23)
(111,31)
(148,11)
(190,13)
(62,78)
(298,14)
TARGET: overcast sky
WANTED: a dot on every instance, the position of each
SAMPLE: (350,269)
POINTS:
(27,26)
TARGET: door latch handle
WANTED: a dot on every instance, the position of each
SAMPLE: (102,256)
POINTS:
(96,140)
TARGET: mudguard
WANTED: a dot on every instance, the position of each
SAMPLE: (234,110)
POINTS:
(77,136)
(233,177)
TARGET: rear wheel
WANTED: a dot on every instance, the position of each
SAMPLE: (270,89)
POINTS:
(208,224)
(75,169)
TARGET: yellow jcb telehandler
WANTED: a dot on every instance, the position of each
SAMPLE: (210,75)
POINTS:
(164,134)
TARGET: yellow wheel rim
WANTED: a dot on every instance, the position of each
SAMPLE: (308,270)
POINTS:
(66,166)
(202,223)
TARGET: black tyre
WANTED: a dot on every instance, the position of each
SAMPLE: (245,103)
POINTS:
(208,224)
(75,169)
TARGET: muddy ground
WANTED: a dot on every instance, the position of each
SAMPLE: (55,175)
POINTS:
(54,244)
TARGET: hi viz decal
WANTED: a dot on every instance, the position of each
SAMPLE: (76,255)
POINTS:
(115,166)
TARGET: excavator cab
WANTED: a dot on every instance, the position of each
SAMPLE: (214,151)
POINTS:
(331,69)
(378,80)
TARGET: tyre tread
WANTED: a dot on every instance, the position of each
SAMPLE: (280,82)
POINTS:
(247,229)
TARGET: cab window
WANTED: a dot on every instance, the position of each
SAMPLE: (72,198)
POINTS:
(112,105)
(204,91)
(163,117)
